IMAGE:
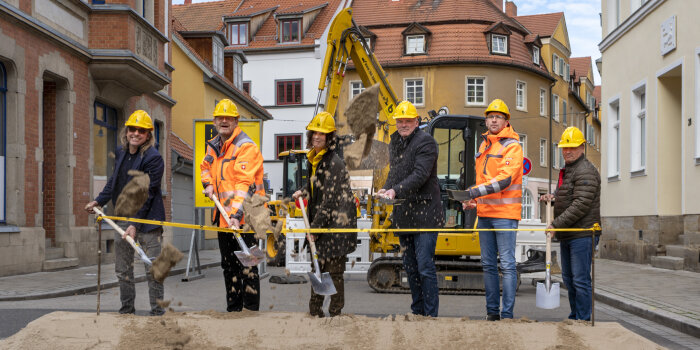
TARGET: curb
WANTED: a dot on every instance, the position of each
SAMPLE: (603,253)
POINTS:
(93,288)
(669,319)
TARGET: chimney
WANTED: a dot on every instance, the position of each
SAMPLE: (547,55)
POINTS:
(498,3)
(511,9)
(188,2)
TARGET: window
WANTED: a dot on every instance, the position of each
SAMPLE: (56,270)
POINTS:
(555,63)
(289,92)
(591,138)
(523,143)
(356,88)
(368,40)
(567,74)
(238,33)
(3,116)
(157,134)
(287,142)
(543,152)
(415,44)
(217,57)
(476,87)
(614,139)
(536,55)
(413,91)
(527,206)
(237,72)
(555,107)
(246,87)
(562,65)
(638,129)
(104,143)
(555,158)
(520,95)
(499,44)
(290,30)
(543,102)
(563,109)
(590,101)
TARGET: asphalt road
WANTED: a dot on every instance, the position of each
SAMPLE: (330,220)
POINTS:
(208,294)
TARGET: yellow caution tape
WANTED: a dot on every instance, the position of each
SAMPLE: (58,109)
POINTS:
(595,227)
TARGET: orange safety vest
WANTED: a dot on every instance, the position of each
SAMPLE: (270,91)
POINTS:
(236,171)
(499,176)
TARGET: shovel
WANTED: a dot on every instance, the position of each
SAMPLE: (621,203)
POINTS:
(134,244)
(547,296)
(322,284)
(247,257)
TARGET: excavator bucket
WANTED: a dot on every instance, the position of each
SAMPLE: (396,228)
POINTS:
(361,116)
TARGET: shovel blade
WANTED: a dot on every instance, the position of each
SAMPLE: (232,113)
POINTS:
(323,285)
(547,298)
(248,259)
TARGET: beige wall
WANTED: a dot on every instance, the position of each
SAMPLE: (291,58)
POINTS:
(669,184)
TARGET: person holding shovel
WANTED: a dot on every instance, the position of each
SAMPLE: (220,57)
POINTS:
(576,205)
(233,170)
(497,196)
(331,205)
(137,152)
(412,179)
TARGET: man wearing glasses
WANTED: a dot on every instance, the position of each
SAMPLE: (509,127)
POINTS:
(497,196)
(137,152)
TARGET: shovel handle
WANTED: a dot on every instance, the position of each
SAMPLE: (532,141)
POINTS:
(548,218)
(244,246)
(312,244)
(116,227)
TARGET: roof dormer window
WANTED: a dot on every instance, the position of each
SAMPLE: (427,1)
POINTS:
(238,33)
(536,55)
(499,44)
(290,31)
(217,59)
(415,44)
(497,39)
(416,39)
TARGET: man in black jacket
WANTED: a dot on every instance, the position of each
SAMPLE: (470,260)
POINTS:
(576,205)
(413,179)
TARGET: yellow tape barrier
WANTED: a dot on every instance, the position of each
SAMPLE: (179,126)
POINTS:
(595,227)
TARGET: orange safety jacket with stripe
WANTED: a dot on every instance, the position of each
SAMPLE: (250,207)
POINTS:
(235,168)
(499,176)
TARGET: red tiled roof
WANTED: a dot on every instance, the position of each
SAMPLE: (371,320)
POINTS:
(181,147)
(204,16)
(371,13)
(543,24)
(208,16)
(580,66)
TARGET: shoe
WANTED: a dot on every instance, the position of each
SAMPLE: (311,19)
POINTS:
(493,317)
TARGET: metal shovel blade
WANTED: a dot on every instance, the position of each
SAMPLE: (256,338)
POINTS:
(547,298)
(248,259)
(322,286)
(143,256)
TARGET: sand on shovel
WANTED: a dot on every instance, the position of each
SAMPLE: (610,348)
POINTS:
(361,116)
(169,256)
(257,216)
(134,194)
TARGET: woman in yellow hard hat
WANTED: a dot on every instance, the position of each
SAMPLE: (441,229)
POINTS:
(137,152)
(331,205)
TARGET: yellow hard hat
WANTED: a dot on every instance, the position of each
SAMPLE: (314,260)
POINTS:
(226,108)
(498,105)
(140,119)
(322,122)
(405,110)
(571,137)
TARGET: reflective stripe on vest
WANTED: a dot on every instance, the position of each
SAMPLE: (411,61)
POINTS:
(499,201)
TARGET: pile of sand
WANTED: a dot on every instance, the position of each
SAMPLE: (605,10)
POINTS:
(278,330)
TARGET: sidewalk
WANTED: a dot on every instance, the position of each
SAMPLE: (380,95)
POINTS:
(42,285)
(671,298)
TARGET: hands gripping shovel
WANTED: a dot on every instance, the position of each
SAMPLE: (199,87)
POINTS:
(547,296)
(322,283)
(136,246)
(247,257)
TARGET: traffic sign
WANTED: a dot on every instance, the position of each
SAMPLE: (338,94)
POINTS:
(527,166)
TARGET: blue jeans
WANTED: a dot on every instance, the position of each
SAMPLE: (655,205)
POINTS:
(495,244)
(420,269)
(576,273)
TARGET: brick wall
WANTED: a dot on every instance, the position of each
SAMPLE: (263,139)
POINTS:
(49,166)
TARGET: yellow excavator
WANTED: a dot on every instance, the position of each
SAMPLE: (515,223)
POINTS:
(456,254)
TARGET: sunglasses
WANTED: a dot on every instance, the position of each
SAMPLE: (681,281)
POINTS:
(135,129)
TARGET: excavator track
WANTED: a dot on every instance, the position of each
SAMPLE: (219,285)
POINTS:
(386,275)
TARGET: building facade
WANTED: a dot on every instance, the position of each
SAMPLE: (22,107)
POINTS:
(71,73)
(651,149)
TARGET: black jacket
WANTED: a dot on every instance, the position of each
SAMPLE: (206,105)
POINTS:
(151,163)
(577,199)
(413,176)
(332,205)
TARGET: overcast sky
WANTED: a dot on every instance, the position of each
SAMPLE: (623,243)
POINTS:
(582,22)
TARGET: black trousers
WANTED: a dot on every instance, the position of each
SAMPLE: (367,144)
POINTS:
(336,268)
(242,282)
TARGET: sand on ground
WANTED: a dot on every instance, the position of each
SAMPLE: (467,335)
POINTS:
(287,330)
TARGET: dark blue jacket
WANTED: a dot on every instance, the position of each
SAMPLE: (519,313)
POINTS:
(151,163)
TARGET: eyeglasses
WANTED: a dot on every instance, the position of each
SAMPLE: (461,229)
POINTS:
(138,130)
(496,116)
